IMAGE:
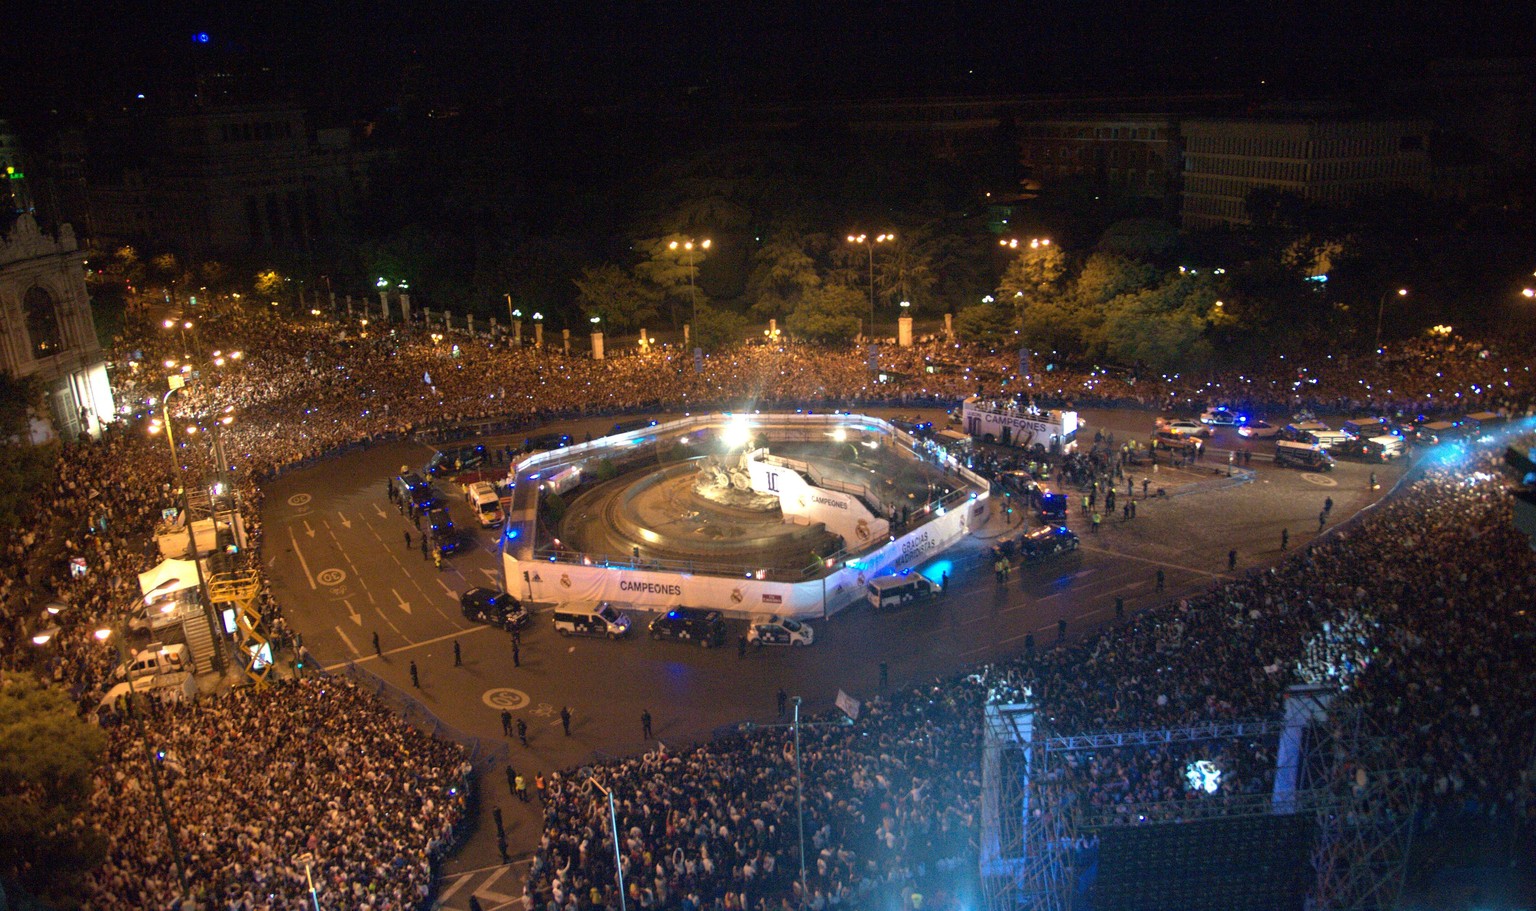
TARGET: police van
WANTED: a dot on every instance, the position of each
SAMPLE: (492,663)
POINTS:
(1366,428)
(901,588)
(591,618)
(1308,456)
(1330,438)
(487,503)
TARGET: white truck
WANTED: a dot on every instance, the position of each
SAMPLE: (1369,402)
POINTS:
(486,503)
(156,660)
(1008,423)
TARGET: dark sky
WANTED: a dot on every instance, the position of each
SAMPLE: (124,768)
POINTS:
(350,55)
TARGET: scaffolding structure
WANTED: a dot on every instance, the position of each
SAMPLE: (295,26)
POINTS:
(1329,766)
(240,592)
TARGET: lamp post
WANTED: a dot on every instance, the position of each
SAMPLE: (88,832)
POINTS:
(1401,292)
(687,246)
(102,635)
(869,244)
(177,383)
(538,329)
(597,338)
(613,824)
(800,802)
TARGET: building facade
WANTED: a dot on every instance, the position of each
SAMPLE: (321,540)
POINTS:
(46,330)
(1132,154)
(231,179)
(1330,162)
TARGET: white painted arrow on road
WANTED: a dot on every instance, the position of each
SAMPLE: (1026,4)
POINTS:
(382,513)
(307,530)
(403,604)
(345,522)
(354,615)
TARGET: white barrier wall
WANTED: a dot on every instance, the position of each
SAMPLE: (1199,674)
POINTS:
(843,513)
(549,582)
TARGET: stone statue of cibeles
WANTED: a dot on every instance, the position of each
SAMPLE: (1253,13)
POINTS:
(730,485)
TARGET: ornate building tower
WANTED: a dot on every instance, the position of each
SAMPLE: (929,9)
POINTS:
(46,330)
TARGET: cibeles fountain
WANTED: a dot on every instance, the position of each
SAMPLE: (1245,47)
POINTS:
(787,513)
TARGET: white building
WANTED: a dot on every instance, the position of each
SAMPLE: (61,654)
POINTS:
(46,330)
(1328,161)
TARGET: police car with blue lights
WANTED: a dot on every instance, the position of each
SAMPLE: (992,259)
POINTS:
(1045,541)
(772,629)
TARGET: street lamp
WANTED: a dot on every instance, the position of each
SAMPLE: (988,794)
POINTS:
(687,246)
(538,329)
(613,823)
(869,244)
(800,802)
(178,383)
(1401,292)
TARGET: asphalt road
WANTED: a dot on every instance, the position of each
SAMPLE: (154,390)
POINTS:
(340,567)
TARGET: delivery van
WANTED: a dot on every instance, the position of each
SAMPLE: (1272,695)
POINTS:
(486,503)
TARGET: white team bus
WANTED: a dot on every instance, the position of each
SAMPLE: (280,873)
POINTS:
(1000,421)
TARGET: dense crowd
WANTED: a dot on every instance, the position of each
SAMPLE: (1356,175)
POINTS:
(1429,635)
(305,389)
(315,777)
(1449,642)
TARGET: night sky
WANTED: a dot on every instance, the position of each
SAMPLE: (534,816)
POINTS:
(352,58)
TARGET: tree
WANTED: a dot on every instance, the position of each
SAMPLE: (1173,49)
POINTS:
(910,271)
(828,313)
(622,300)
(1035,275)
(47,756)
(1149,240)
(782,274)
(671,264)
(24,468)
(718,328)
(991,324)
(270,283)
(1165,327)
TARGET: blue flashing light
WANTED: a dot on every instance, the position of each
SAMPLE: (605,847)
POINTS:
(513,534)
(200,38)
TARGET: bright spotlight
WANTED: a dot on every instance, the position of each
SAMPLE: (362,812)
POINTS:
(737,434)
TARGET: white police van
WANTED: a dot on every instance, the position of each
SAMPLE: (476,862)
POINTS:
(901,588)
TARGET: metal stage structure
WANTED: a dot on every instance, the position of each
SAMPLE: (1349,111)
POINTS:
(1332,834)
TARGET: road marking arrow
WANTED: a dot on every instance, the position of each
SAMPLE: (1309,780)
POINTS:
(345,522)
(307,530)
(402,603)
(354,615)
(382,513)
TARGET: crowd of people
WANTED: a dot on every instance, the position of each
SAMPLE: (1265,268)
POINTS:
(1430,636)
(315,778)
(1448,643)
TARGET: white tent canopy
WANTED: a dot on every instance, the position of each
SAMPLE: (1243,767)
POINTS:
(170,576)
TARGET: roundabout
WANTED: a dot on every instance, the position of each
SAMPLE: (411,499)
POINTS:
(785,513)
